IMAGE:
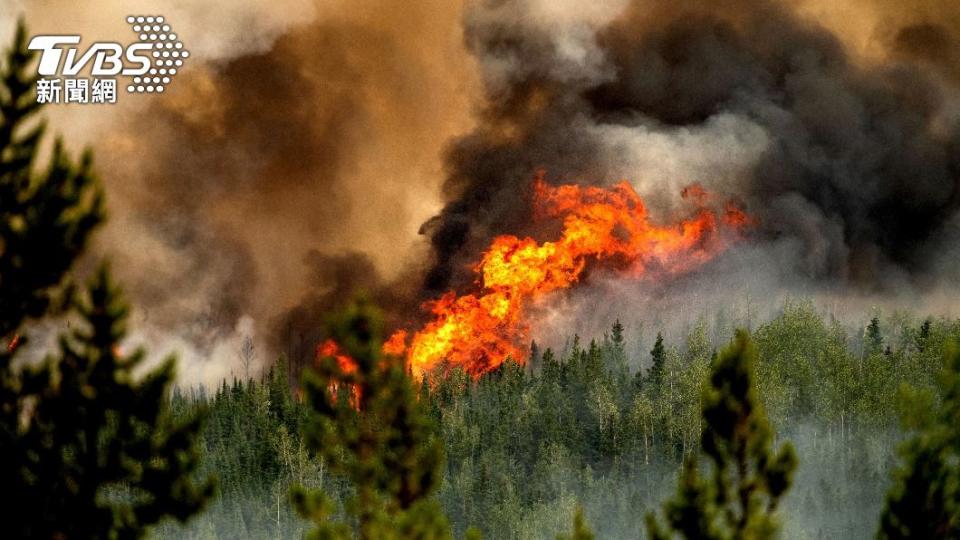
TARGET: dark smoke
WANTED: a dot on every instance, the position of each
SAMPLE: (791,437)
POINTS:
(862,164)
(268,150)
(271,184)
(274,177)
(335,280)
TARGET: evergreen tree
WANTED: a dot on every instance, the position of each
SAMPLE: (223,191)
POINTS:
(533,362)
(86,451)
(89,451)
(617,334)
(618,353)
(45,217)
(923,335)
(874,338)
(658,355)
(739,498)
(924,501)
(369,426)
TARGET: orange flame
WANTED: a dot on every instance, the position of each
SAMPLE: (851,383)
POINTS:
(329,348)
(347,365)
(608,225)
(396,344)
(14,343)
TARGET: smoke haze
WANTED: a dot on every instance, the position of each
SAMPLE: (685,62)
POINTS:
(310,148)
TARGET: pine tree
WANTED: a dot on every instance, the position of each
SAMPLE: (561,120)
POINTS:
(658,355)
(874,338)
(90,451)
(920,341)
(618,353)
(924,501)
(369,426)
(747,480)
(86,451)
(45,218)
(617,333)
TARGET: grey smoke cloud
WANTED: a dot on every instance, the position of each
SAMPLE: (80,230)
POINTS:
(301,154)
(855,161)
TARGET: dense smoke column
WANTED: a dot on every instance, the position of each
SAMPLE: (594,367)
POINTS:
(271,183)
(857,169)
(862,163)
(247,146)
(532,118)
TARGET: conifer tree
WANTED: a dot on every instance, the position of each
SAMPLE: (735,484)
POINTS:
(368,425)
(924,501)
(89,451)
(874,338)
(618,352)
(658,355)
(86,451)
(46,217)
(747,479)
(920,341)
(617,334)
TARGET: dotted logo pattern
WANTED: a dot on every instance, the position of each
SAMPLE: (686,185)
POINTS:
(168,53)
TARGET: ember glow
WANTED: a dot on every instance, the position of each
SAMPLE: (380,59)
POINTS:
(603,226)
(329,348)
(14,343)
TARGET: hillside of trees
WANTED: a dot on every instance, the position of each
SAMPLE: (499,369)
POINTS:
(594,425)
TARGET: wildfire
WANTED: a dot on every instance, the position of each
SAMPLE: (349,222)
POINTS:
(347,365)
(607,225)
(329,348)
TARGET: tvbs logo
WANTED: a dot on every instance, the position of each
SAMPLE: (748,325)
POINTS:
(149,64)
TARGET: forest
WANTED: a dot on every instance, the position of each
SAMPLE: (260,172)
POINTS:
(799,426)
(598,426)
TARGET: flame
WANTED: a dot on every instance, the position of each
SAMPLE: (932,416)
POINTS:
(330,348)
(603,225)
(347,365)
(396,344)
(14,343)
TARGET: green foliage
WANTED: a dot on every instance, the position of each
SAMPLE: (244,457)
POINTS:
(924,501)
(923,335)
(45,218)
(874,337)
(525,446)
(658,357)
(747,481)
(371,429)
(580,529)
(86,450)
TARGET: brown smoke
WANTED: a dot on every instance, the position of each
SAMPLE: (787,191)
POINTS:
(300,152)
(311,138)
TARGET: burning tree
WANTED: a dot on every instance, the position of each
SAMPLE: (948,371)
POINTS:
(87,451)
(369,426)
(748,478)
(611,225)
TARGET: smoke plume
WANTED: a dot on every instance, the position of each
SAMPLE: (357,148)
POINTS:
(303,152)
(854,162)
(298,132)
